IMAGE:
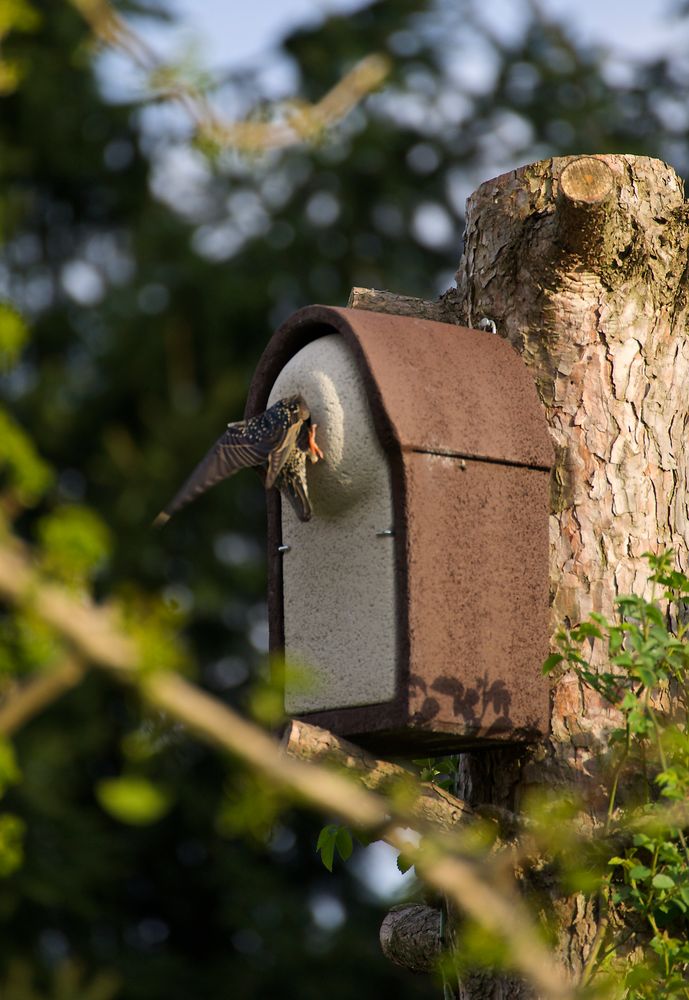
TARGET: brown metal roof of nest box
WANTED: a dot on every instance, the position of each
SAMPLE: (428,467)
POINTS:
(418,593)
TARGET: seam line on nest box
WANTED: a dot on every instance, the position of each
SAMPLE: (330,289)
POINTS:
(478,458)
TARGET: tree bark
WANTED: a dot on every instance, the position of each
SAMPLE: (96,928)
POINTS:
(592,292)
(582,264)
(410,936)
(376,300)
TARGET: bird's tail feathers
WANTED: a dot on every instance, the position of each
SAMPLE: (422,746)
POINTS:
(298,497)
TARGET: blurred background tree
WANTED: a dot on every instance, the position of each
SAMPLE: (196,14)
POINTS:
(152,268)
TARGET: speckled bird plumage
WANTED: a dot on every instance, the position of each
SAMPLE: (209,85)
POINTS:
(291,480)
(277,442)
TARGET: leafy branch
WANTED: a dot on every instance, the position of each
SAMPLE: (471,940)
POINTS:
(644,896)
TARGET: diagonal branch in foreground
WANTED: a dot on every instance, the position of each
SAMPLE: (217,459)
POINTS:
(95,635)
(29,698)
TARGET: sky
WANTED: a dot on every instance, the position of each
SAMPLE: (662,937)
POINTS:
(235,32)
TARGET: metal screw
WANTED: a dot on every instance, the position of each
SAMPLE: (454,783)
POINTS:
(386,533)
(284,548)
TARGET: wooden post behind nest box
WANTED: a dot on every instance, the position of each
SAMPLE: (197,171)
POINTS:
(434,635)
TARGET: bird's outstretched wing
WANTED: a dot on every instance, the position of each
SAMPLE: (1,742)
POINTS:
(231,452)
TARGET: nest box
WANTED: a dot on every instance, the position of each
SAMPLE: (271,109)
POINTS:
(416,598)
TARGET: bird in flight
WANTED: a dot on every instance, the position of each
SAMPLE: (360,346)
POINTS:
(278,443)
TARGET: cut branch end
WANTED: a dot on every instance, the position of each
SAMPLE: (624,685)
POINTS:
(587,180)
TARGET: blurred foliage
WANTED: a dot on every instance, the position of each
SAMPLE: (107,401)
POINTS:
(250,808)
(11,826)
(28,646)
(153,623)
(15,15)
(11,843)
(13,334)
(151,277)
(25,473)
(644,887)
(133,799)
(9,769)
(68,983)
(74,543)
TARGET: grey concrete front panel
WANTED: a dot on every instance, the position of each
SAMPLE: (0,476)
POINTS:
(338,575)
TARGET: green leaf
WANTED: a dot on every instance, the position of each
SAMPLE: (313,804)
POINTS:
(638,975)
(655,615)
(325,845)
(639,722)
(639,872)
(134,800)
(587,630)
(661,881)
(615,641)
(553,660)
(599,619)
(343,843)
(647,675)
(629,701)
(403,863)
(334,838)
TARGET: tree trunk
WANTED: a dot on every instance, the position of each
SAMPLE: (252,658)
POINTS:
(581,264)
